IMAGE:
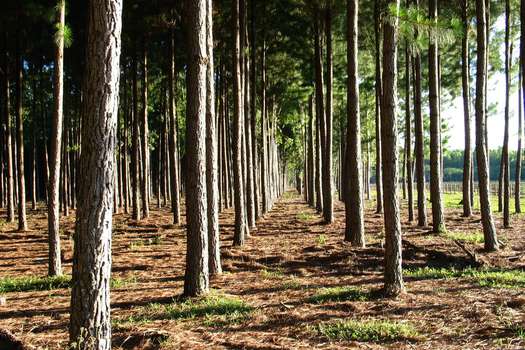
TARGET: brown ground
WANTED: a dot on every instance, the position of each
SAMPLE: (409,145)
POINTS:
(307,255)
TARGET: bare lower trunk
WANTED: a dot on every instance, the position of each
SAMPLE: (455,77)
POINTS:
(328,206)
(438,223)
(90,325)
(196,280)
(378,92)
(489,230)
(393,272)
(212,186)
(241,229)
(55,266)
(22,220)
(465,78)
(354,231)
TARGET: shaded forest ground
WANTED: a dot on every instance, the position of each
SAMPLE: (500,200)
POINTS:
(294,285)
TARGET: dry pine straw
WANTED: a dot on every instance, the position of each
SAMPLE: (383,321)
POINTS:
(286,260)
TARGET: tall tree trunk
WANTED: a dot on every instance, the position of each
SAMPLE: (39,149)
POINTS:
(517,177)
(212,185)
(393,272)
(135,157)
(489,230)
(505,155)
(328,206)
(174,171)
(253,109)
(420,143)
(22,220)
(196,280)
(408,136)
(6,120)
(53,215)
(145,135)
(522,64)
(125,165)
(241,229)
(264,117)
(247,127)
(90,325)
(436,186)
(465,79)
(320,113)
(378,90)
(353,187)
(311,153)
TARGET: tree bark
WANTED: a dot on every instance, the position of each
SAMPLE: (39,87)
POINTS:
(517,177)
(489,230)
(174,171)
(505,152)
(436,185)
(311,153)
(393,272)
(328,206)
(241,229)
(22,220)
(354,231)
(465,79)
(90,325)
(212,186)
(196,280)
(320,114)
(378,90)
(55,266)
(145,136)
(6,119)
(408,137)
(253,109)
(135,157)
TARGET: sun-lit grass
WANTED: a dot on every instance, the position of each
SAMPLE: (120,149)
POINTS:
(507,279)
(470,237)
(117,282)
(25,284)
(321,240)
(339,294)
(272,274)
(208,307)
(367,330)
(304,216)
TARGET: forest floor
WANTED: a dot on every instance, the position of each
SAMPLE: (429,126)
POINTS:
(294,285)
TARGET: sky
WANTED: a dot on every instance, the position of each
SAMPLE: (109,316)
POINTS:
(496,120)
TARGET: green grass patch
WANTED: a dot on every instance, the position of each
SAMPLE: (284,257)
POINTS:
(303,216)
(228,307)
(367,330)
(118,282)
(272,274)
(339,294)
(493,278)
(469,237)
(321,240)
(25,284)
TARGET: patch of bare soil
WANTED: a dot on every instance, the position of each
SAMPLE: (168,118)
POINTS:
(288,258)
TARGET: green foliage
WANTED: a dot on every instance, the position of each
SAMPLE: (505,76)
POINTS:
(470,237)
(493,278)
(339,294)
(207,307)
(367,330)
(321,239)
(25,284)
